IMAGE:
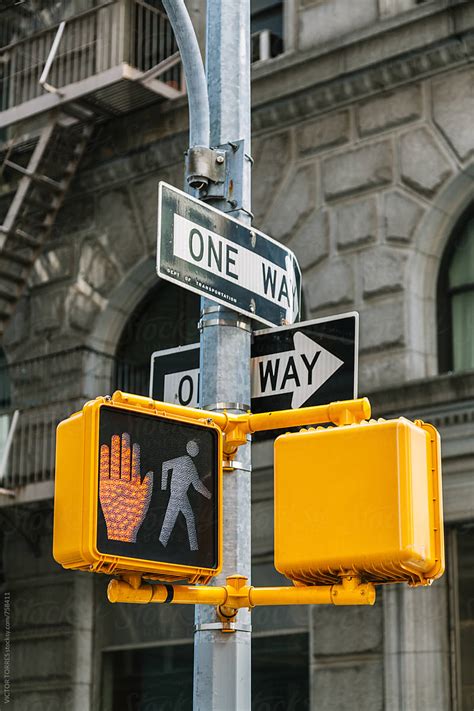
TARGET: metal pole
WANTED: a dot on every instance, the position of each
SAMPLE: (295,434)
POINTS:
(193,70)
(222,661)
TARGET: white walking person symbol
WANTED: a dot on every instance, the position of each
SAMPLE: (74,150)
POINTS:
(183,475)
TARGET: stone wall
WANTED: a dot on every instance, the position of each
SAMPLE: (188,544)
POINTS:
(346,191)
(363,164)
(51,617)
(349,189)
(355,186)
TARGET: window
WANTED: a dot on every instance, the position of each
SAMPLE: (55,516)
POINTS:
(456,300)
(149,678)
(162,677)
(167,317)
(461,559)
(267,15)
(266,29)
(280,672)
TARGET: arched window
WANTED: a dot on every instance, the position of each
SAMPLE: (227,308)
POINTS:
(456,300)
(165,318)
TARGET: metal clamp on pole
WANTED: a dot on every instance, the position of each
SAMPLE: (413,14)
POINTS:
(224,626)
(229,190)
(223,317)
(233,322)
(230,465)
(204,165)
(217,174)
(225,406)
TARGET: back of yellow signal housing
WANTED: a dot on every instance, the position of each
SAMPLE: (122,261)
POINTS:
(363,499)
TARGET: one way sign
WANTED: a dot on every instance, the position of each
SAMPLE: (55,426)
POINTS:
(299,372)
(215,255)
(309,363)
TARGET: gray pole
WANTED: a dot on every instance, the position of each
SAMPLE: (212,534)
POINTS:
(222,660)
(193,69)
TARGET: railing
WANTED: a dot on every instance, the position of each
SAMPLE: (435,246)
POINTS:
(116,31)
(19,19)
(265,45)
(152,38)
(31,458)
(48,389)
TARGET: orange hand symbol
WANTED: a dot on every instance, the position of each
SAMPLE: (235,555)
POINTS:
(124,497)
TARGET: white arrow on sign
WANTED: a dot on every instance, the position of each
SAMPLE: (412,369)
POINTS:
(301,371)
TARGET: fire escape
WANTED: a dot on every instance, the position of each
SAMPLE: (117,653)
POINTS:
(61,76)
(67,67)
(56,84)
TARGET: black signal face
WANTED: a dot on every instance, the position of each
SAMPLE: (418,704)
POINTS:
(158,497)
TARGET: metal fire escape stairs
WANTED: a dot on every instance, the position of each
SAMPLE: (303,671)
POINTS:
(43,180)
(41,190)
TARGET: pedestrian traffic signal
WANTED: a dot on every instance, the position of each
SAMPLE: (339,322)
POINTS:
(138,490)
(362,499)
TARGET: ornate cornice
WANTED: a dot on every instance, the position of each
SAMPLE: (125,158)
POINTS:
(446,399)
(462,415)
(362,83)
(311,100)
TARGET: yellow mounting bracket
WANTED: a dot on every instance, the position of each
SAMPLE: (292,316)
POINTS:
(345,412)
(235,436)
(236,594)
(237,427)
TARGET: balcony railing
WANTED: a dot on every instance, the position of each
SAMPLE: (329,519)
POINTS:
(22,19)
(113,34)
(47,389)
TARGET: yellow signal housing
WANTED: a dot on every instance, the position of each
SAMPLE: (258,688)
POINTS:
(363,499)
(114,510)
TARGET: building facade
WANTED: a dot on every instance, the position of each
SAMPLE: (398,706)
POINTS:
(364,166)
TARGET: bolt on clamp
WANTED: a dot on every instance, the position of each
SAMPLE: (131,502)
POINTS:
(204,165)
